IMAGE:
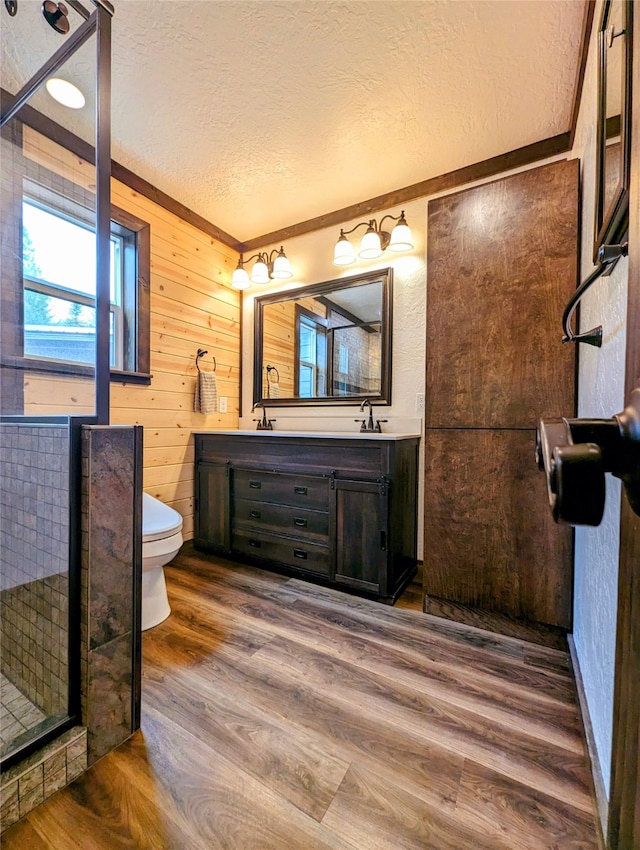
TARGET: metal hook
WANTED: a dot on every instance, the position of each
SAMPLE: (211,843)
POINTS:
(273,369)
(201,353)
(608,256)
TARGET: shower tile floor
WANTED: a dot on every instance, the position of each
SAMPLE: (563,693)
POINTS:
(17,713)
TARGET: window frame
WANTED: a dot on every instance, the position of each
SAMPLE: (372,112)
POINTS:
(135,235)
(320,371)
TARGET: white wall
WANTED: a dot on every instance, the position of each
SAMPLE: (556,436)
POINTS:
(600,394)
(311,257)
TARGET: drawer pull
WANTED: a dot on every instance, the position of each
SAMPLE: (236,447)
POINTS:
(255,514)
(300,491)
(255,485)
(300,522)
(300,553)
(255,544)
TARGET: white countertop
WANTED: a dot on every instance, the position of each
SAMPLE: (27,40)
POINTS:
(319,435)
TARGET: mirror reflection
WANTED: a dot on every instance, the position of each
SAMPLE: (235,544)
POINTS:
(613,133)
(614,80)
(328,342)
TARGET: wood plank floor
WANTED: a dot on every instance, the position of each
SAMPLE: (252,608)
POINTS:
(278,715)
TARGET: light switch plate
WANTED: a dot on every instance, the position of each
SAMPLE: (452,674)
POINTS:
(223,404)
(420,404)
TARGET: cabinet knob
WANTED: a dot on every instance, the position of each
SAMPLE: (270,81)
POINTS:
(300,553)
(300,491)
(300,522)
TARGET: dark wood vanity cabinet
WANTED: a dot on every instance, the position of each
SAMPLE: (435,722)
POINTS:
(336,510)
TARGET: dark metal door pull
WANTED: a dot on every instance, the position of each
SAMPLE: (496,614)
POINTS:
(576,453)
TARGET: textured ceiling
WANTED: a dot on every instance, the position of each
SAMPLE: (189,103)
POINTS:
(258,115)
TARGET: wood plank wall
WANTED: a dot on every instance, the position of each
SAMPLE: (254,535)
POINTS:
(192,306)
(278,341)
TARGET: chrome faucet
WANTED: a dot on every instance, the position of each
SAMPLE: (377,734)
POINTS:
(368,424)
(264,424)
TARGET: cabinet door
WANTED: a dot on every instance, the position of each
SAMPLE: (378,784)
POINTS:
(362,534)
(502,264)
(490,541)
(212,521)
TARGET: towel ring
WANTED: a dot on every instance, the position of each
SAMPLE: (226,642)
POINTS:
(201,353)
(273,369)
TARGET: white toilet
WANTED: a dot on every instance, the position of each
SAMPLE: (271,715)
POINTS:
(161,540)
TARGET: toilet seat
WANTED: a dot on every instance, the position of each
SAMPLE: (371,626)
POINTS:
(158,520)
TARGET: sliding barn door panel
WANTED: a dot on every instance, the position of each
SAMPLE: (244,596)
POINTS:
(502,263)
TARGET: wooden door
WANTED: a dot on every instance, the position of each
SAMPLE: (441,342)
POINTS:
(502,263)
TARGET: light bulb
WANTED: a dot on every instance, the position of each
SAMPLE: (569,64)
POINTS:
(281,266)
(240,279)
(370,247)
(65,93)
(343,253)
(260,272)
(401,239)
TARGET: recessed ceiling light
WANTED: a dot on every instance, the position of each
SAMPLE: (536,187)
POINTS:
(65,93)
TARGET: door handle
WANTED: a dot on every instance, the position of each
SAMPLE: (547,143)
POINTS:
(576,453)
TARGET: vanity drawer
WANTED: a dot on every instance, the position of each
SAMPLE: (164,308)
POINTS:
(283,519)
(302,555)
(300,491)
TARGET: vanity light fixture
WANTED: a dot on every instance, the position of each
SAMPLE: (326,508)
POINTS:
(267,267)
(374,241)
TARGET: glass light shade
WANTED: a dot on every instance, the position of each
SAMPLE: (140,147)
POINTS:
(260,273)
(281,267)
(240,279)
(343,253)
(65,93)
(370,247)
(401,239)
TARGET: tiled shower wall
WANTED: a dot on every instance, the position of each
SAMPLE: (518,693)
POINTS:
(34,542)
(364,357)
(111,574)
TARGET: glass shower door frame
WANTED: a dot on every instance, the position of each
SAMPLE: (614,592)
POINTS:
(98,23)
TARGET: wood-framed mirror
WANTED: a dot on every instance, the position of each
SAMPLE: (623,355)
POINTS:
(613,125)
(328,343)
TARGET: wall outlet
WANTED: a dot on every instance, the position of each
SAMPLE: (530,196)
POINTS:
(222,404)
(420,404)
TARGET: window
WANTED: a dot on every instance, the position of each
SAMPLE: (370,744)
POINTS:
(59,293)
(311,362)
